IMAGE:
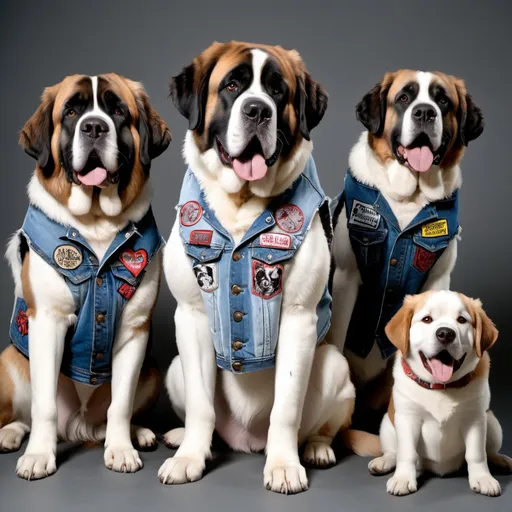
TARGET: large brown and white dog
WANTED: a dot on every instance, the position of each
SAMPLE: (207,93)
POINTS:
(93,139)
(439,414)
(251,109)
(418,124)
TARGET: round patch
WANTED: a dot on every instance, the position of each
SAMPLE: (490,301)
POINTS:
(190,213)
(290,218)
(67,257)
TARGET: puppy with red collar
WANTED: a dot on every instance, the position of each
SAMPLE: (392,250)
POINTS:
(439,413)
(86,265)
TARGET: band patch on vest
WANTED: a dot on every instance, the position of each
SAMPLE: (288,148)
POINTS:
(267,280)
(364,215)
(290,218)
(127,291)
(206,276)
(67,257)
(275,240)
(201,237)
(190,213)
(134,261)
(22,322)
(434,229)
(424,259)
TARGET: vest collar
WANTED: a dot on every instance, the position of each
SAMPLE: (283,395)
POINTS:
(457,384)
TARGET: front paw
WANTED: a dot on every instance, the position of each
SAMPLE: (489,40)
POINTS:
(319,454)
(401,485)
(123,459)
(382,465)
(10,440)
(181,470)
(485,484)
(285,478)
(34,466)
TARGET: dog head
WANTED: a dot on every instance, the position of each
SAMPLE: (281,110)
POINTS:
(249,107)
(420,119)
(94,139)
(441,334)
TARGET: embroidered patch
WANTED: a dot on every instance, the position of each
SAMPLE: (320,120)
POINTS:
(134,261)
(275,240)
(424,259)
(206,276)
(127,291)
(190,213)
(364,215)
(267,280)
(436,228)
(67,257)
(290,218)
(22,322)
(201,237)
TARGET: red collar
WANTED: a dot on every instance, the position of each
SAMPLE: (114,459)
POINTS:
(463,381)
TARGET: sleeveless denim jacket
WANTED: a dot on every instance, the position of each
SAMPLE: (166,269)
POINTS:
(242,284)
(100,289)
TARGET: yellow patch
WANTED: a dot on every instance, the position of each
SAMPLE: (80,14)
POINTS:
(436,228)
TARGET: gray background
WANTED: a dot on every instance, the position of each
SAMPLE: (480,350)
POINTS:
(347,46)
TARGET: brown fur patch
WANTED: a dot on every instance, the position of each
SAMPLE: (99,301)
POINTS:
(391,410)
(362,443)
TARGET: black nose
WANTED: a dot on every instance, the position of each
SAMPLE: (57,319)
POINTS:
(445,335)
(424,113)
(257,111)
(94,127)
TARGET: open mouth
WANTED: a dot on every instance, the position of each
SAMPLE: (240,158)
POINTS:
(250,165)
(94,174)
(442,366)
(419,156)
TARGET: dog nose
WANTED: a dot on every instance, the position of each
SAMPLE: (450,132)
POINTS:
(257,111)
(424,113)
(445,335)
(94,127)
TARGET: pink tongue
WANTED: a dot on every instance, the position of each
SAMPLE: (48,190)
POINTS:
(252,170)
(94,178)
(420,159)
(441,372)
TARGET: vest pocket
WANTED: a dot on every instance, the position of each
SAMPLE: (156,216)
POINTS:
(368,246)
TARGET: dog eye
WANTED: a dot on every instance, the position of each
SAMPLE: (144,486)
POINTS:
(461,320)
(118,112)
(427,319)
(232,86)
(71,113)
(404,98)
(443,100)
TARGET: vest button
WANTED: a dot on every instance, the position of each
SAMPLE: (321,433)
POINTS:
(94,380)
(236,256)
(237,366)
(99,356)
(99,281)
(238,316)
(237,345)
(100,318)
(236,290)
(393,262)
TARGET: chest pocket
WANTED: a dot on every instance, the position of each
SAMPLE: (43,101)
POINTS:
(369,246)
(427,251)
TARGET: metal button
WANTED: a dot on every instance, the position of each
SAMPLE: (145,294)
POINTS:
(99,356)
(268,220)
(365,240)
(393,262)
(237,366)
(73,234)
(238,316)
(99,281)
(100,318)
(269,257)
(236,290)
(127,235)
(94,380)
(236,256)
(237,345)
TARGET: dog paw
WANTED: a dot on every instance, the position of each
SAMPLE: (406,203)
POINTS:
(145,438)
(174,437)
(10,440)
(285,478)
(501,463)
(485,484)
(382,465)
(319,454)
(181,470)
(122,459)
(401,485)
(34,466)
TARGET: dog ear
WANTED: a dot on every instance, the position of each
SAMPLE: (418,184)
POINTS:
(397,329)
(311,101)
(469,116)
(36,136)
(486,333)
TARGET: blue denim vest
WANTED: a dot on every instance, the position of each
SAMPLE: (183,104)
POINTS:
(241,284)
(100,289)
(392,262)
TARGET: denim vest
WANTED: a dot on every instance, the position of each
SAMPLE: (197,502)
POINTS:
(242,284)
(392,262)
(100,289)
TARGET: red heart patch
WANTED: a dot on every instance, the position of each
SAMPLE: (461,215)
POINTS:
(134,261)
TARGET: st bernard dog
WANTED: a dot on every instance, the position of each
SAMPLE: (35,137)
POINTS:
(396,223)
(439,414)
(86,266)
(249,200)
